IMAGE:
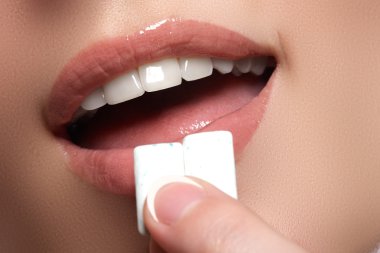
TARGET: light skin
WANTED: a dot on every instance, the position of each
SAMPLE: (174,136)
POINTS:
(311,171)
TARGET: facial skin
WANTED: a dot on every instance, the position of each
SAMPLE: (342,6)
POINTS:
(311,170)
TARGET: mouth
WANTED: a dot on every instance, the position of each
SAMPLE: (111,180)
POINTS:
(169,80)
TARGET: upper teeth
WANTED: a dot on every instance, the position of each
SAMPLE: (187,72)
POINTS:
(167,73)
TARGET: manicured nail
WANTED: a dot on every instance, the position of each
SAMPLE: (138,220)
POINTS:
(170,198)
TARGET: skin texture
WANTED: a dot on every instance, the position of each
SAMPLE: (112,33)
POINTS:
(311,170)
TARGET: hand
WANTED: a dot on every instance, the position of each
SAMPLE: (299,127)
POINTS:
(189,215)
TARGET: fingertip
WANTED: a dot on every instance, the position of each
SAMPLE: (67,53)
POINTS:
(169,198)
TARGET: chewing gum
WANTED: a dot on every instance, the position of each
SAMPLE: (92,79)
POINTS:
(151,163)
(208,156)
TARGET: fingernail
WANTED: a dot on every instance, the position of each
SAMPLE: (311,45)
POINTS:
(170,198)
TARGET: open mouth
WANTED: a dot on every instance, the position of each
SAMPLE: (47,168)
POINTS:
(170,80)
(171,107)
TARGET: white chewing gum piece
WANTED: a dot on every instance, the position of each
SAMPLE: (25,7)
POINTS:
(210,156)
(151,163)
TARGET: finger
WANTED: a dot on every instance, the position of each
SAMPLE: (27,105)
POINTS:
(189,215)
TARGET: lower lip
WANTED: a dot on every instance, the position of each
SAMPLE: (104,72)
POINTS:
(112,170)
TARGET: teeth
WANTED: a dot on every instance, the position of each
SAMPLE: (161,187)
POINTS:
(244,65)
(258,65)
(223,66)
(195,68)
(94,100)
(168,73)
(81,113)
(160,75)
(123,88)
(236,72)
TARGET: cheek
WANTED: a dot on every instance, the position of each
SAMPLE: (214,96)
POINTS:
(311,170)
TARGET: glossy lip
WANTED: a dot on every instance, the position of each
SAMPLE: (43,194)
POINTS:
(112,170)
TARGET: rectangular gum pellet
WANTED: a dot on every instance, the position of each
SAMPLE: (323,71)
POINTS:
(210,156)
(152,162)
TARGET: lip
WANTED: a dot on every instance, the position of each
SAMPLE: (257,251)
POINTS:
(112,170)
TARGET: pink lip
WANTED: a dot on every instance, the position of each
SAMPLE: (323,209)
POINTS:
(112,170)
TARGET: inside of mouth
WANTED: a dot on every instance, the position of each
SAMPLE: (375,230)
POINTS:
(167,115)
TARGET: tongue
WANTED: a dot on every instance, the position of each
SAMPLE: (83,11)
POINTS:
(168,115)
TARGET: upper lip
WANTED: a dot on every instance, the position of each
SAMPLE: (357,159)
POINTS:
(93,67)
(96,65)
